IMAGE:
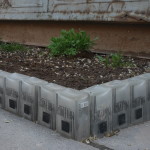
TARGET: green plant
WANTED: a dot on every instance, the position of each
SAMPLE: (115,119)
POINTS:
(70,43)
(117,60)
(11,47)
(114,60)
(104,60)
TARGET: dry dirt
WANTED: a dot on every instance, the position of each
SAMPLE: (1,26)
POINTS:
(77,72)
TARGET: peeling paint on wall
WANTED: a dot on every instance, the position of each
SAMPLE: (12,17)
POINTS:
(88,10)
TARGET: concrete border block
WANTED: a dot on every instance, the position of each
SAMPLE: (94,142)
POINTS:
(94,111)
(73,114)
(47,106)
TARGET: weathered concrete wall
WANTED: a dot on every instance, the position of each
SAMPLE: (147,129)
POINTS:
(89,10)
(112,37)
(118,37)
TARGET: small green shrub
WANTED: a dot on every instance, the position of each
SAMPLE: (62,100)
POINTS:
(70,43)
(117,60)
(104,60)
(11,47)
(114,60)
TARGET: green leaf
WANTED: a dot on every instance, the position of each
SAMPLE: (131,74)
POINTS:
(70,43)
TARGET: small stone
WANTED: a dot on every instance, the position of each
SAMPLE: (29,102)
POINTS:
(56,73)
(87,141)
(82,59)
(7,121)
(89,61)
(96,59)
(56,67)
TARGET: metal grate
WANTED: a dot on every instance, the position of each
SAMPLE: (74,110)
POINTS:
(121,119)
(103,127)
(12,104)
(138,113)
(27,109)
(46,117)
(65,126)
(0,100)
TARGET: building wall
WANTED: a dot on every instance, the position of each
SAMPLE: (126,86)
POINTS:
(112,36)
(89,10)
(34,22)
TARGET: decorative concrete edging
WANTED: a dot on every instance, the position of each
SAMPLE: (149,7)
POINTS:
(96,111)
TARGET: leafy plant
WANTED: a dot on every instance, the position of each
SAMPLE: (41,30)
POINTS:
(70,43)
(117,60)
(104,60)
(114,60)
(11,47)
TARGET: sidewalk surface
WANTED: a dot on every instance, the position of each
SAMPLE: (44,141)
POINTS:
(132,138)
(17,133)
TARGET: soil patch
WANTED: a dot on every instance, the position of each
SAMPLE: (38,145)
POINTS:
(78,72)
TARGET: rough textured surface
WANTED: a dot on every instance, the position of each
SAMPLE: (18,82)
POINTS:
(132,138)
(19,134)
(79,72)
(111,37)
(97,10)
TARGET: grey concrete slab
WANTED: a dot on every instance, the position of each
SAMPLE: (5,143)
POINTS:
(17,133)
(132,138)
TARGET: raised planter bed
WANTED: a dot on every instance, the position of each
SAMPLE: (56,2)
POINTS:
(71,112)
